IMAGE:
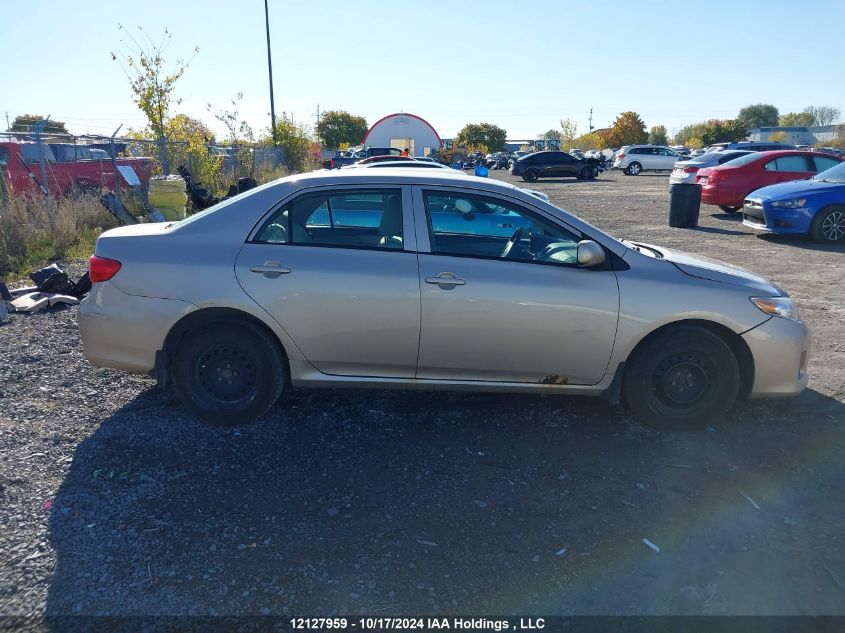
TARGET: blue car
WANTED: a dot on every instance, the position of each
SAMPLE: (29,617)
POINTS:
(814,207)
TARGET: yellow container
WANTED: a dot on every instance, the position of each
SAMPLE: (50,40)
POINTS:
(168,196)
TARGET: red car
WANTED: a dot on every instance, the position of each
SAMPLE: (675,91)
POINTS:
(727,185)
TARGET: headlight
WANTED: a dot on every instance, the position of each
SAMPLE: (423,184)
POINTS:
(782,307)
(794,203)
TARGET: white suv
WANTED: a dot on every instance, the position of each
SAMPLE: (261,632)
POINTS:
(635,159)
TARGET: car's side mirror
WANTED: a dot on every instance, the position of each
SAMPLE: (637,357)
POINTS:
(590,253)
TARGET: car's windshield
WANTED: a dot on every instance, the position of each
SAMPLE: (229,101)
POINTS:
(834,174)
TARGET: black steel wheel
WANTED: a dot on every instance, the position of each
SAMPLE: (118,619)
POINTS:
(684,377)
(229,372)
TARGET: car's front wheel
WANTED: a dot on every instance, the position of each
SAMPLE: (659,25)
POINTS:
(685,377)
(634,169)
(728,209)
(229,372)
(829,226)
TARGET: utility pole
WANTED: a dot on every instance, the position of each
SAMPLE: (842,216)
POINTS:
(270,71)
(8,125)
(318,114)
(38,129)
(591,120)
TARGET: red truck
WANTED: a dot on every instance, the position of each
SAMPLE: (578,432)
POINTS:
(21,165)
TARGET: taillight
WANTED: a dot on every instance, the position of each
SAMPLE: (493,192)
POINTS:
(620,156)
(102,268)
(690,170)
(332,163)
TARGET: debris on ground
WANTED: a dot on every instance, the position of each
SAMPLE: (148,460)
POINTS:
(52,287)
(651,545)
(749,499)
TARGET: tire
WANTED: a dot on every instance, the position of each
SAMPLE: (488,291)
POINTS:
(686,377)
(584,174)
(229,373)
(634,169)
(532,175)
(594,173)
(727,209)
(829,225)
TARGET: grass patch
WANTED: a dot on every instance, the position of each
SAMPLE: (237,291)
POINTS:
(36,230)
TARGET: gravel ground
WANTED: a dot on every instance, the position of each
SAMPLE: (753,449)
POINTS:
(114,501)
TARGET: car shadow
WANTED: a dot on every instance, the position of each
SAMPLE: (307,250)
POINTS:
(389,503)
(801,241)
(727,217)
(570,181)
(710,229)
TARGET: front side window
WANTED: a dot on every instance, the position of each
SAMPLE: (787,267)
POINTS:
(356,219)
(480,226)
(787,163)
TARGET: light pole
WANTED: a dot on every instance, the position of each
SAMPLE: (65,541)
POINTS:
(270,71)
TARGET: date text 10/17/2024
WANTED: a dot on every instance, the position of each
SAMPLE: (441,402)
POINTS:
(417,624)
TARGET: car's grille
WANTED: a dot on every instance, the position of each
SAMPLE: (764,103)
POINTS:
(753,210)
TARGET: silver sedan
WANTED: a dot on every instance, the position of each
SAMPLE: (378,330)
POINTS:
(401,278)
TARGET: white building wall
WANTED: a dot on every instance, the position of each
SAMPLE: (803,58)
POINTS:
(403,131)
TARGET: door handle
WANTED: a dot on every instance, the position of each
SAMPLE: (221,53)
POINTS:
(269,269)
(445,279)
(504,225)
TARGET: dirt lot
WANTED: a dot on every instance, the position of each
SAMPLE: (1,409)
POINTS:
(116,502)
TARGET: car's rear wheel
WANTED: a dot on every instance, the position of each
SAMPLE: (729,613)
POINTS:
(728,209)
(634,169)
(532,175)
(228,373)
(685,377)
(829,225)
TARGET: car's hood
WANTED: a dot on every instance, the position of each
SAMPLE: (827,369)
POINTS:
(796,187)
(715,270)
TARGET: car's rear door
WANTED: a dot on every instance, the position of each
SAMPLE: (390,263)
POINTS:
(487,317)
(337,269)
(787,167)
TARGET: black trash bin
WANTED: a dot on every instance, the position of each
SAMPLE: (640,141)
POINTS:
(684,204)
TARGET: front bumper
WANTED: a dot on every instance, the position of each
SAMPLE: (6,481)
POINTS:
(781,349)
(761,216)
(125,331)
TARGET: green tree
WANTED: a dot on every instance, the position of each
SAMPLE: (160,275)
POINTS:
(188,141)
(24,123)
(823,115)
(338,126)
(628,129)
(295,139)
(658,135)
(758,115)
(568,133)
(487,134)
(589,141)
(724,131)
(777,137)
(800,119)
(152,85)
(552,134)
(692,131)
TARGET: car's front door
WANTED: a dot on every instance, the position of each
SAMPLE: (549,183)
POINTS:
(338,271)
(513,309)
(666,157)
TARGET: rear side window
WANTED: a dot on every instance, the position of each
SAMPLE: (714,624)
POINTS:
(355,219)
(787,163)
(4,156)
(822,162)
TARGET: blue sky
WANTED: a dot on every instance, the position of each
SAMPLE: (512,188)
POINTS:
(520,65)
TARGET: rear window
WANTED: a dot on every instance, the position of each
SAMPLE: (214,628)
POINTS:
(743,160)
(32,153)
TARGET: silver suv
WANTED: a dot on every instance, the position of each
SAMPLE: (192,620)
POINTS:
(635,159)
